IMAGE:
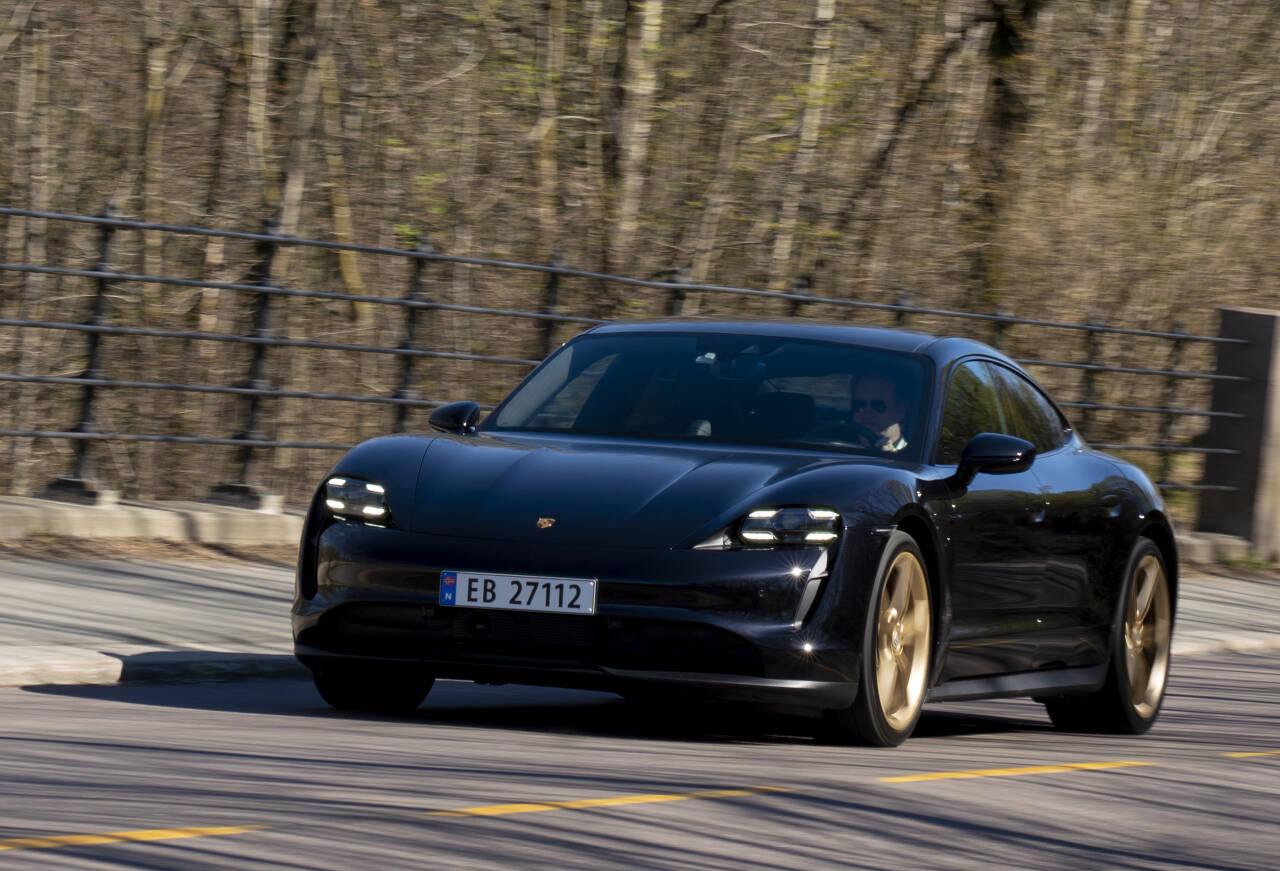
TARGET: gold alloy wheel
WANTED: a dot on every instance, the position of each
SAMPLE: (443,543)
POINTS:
(902,641)
(1147,632)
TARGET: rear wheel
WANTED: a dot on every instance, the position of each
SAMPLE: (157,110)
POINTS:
(896,650)
(372,687)
(1141,641)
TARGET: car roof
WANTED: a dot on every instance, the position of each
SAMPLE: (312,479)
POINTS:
(940,349)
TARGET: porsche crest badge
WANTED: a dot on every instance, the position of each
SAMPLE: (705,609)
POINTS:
(546,522)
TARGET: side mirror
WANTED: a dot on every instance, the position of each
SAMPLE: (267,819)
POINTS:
(995,454)
(459,417)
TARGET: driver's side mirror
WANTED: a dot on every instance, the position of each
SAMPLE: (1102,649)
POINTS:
(995,454)
(456,417)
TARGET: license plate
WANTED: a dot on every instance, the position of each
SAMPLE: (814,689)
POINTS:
(518,593)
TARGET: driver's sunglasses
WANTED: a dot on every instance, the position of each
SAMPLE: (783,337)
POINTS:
(877,405)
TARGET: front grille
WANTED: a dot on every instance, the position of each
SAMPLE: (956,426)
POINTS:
(416,631)
(408,631)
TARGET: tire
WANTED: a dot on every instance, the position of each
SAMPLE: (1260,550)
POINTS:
(1141,640)
(897,648)
(377,688)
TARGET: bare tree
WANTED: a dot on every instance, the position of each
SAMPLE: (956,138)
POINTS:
(32,120)
(639,85)
(810,126)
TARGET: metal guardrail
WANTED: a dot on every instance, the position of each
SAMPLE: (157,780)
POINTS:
(263,291)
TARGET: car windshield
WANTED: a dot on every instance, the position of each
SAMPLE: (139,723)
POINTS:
(725,388)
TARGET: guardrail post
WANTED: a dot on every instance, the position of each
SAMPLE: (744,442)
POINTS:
(80,486)
(999,328)
(415,297)
(1086,389)
(905,299)
(1170,397)
(800,287)
(679,277)
(551,303)
(241,491)
(1242,495)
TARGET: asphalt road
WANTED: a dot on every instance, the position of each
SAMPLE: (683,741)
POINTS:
(261,774)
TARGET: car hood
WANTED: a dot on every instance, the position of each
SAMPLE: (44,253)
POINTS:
(596,491)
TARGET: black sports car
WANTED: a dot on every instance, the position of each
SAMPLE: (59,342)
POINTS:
(850,519)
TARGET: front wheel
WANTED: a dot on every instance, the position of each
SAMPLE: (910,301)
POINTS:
(377,688)
(896,649)
(1142,638)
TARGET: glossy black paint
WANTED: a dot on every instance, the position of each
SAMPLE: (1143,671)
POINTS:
(1026,551)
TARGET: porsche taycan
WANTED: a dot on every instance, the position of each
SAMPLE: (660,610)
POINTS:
(850,520)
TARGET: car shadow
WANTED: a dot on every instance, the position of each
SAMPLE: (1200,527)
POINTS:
(541,709)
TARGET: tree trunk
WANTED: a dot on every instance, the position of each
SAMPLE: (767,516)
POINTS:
(1004,118)
(33,121)
(316,41)
(810,127)
(255,24)
(339,196)
(545,132)
(640,84)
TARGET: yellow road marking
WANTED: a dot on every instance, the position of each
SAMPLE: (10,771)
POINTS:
(122,837)
(1011,772)
(1260,753)
(494,810)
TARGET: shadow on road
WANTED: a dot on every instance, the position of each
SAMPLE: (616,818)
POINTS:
(541,709)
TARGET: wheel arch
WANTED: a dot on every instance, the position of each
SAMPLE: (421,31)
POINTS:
(1157,528)
(922,532)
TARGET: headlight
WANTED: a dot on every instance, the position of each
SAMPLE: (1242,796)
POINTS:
(353,499)
(789,526)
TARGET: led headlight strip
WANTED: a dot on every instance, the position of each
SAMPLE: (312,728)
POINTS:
(794,525)
(353,499)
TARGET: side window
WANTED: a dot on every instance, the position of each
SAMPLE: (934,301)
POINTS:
(973,406)
(1029,414)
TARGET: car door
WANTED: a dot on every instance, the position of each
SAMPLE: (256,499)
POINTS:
(997,553)
(1083,494)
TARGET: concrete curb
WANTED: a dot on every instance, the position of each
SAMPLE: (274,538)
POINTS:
(208,523)
(38,666)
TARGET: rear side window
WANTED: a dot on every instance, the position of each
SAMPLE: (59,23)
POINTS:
(973,406)
(1028,414)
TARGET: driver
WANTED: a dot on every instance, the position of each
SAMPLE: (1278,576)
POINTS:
(877,407)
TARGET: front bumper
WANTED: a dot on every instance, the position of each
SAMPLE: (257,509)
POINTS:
(749,625)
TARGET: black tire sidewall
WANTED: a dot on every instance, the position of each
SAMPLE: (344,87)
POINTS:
(868,715)
(1118,674)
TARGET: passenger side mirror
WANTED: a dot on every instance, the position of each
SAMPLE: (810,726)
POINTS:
(995,454)
(457,417)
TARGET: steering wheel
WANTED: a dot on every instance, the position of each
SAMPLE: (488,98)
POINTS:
(848,433)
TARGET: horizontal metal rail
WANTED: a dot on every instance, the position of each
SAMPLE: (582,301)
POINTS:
(186,440)
(1126,370)
(202,440)
(207,388)
(260,340)
(1146,409)
(1165,449)
(635,282)
(296,292)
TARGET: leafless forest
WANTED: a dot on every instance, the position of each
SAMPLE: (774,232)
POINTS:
(1107,159)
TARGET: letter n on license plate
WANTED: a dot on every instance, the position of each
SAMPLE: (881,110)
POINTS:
(518,592)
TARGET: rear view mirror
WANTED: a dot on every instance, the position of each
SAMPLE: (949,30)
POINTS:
(995,454)
(457,417)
